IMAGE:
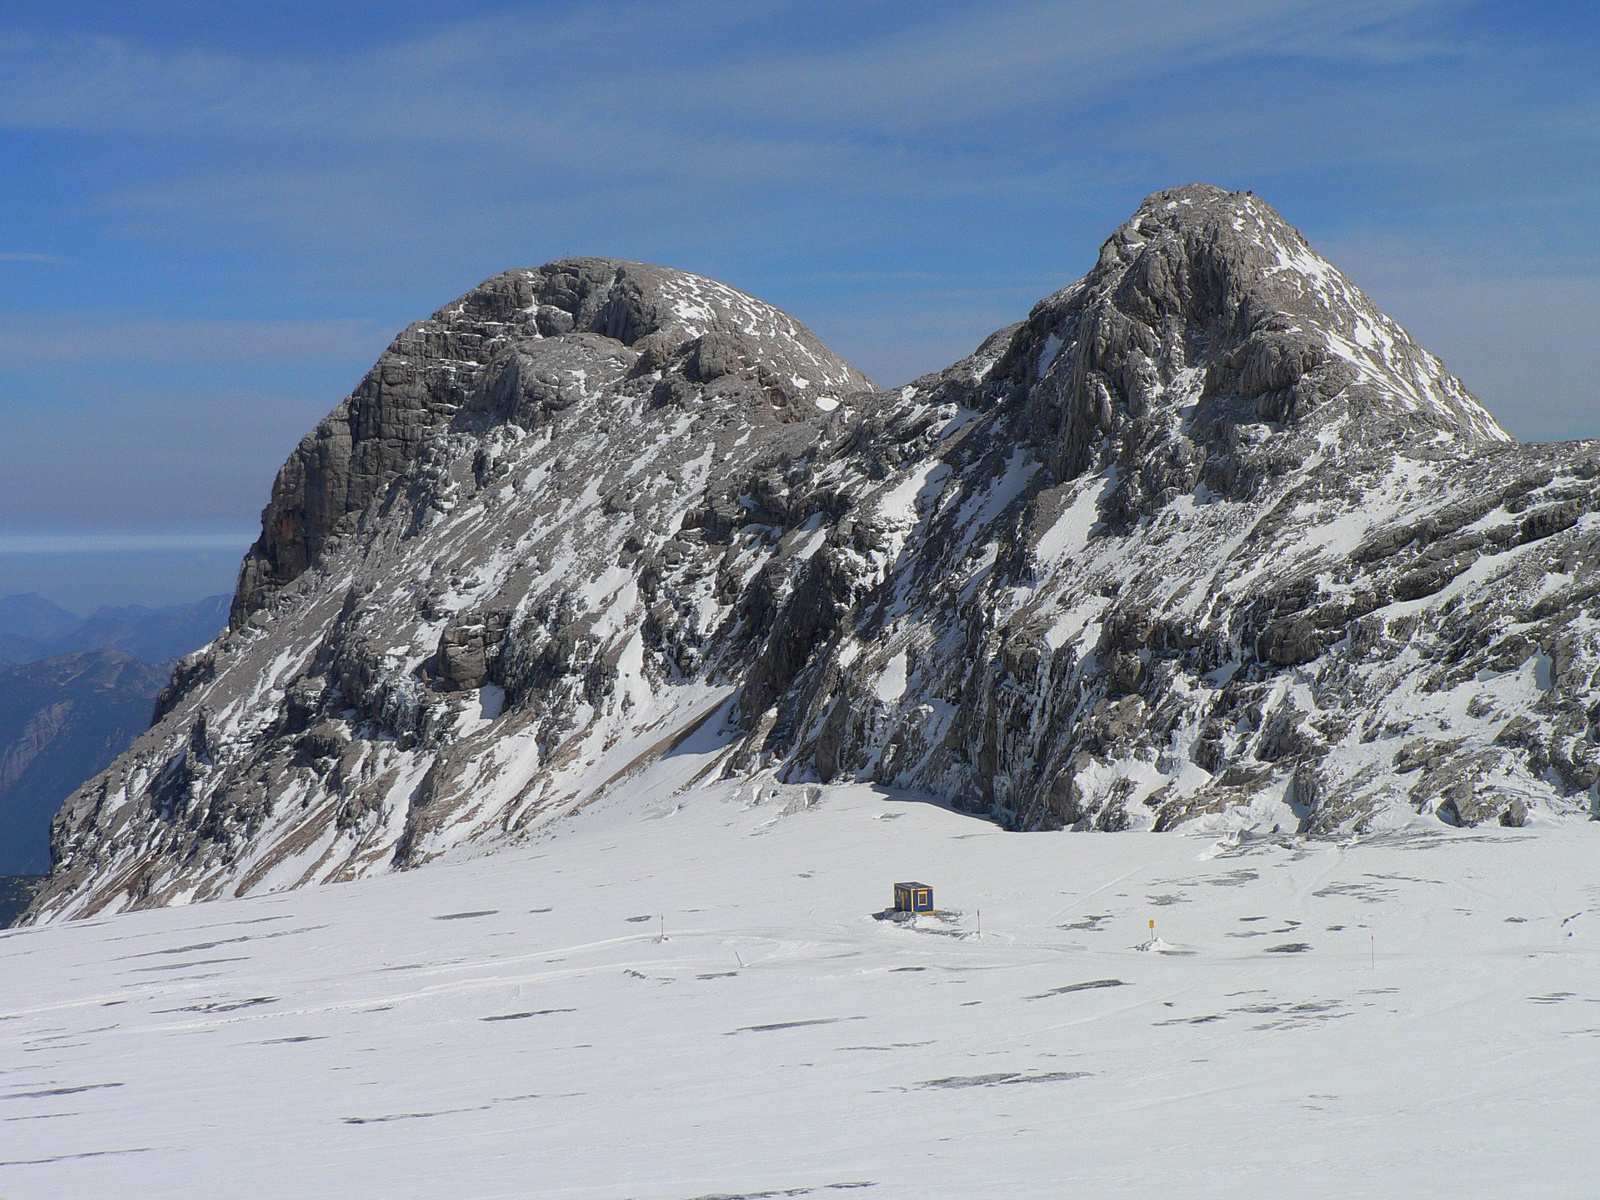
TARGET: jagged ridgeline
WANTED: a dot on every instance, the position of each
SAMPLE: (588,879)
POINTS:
(1206,537)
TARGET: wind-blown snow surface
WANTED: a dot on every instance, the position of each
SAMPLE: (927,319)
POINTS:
(1414,1014)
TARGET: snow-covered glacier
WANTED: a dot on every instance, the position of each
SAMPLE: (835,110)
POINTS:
(686,992)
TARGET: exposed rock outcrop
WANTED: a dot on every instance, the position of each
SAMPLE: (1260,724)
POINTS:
(1206,537)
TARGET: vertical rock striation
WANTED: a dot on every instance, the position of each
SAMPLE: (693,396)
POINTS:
(1206,538)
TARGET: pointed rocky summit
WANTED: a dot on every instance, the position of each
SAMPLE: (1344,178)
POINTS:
(1207,538)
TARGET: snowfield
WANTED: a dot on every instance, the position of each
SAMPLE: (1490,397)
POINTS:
(1416,1014)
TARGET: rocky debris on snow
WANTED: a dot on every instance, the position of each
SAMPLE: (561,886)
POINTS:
(1205,538)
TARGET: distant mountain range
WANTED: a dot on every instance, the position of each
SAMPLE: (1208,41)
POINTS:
(62,720)
(33,628)
(74,692)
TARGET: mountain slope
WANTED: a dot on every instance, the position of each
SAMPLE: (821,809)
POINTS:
(27,623)
(1206,537)
(32,628)
(151,634)
(62,720)
(73,703)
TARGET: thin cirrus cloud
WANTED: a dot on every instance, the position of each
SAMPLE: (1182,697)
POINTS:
(578,131)
(703,138)
(540,85)
(568,130)
(1007,57)
(496,106)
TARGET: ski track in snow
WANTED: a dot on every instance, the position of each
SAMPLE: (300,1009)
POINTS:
(1414,1014)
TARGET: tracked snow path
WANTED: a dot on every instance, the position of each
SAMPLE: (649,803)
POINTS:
(1410,1016)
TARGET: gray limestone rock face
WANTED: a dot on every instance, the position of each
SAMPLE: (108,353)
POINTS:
(1205,539)
(518,347)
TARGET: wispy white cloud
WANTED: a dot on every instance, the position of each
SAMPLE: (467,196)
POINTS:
(1005,58)
(685,88)
(556,133)
(559,135)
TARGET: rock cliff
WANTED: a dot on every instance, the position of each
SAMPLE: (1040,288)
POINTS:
(1206,537)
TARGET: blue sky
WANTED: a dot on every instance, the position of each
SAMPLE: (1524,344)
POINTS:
(213,217)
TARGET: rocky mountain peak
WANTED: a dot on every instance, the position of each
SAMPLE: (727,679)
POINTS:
(1209,344)
(1206,539)
(523,347)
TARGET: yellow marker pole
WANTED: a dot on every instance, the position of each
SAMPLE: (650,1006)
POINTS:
(1152,929)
